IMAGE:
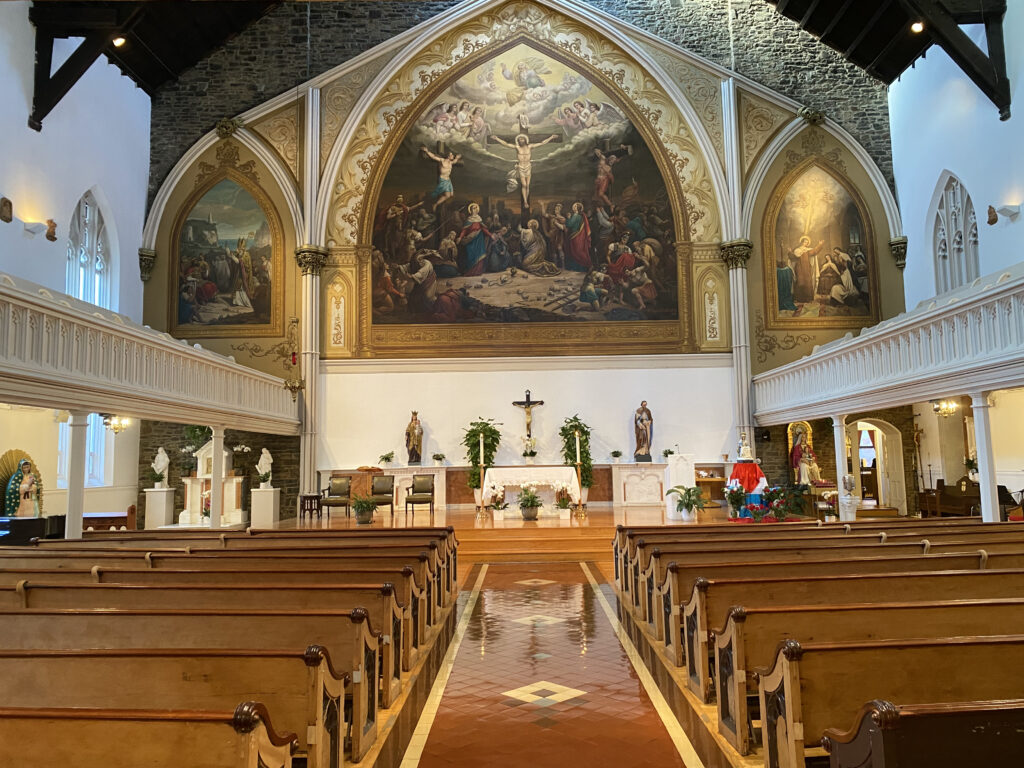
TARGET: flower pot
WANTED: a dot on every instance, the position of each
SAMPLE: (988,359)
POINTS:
(438,462)
(160,483)
(265,486)
(364,517)
(529,513)
(529,459)
(616,459)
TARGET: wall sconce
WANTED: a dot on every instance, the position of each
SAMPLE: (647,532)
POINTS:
(51,230)
(6,210)
(34,227)
(116,424)
(945,408)
(1011,212)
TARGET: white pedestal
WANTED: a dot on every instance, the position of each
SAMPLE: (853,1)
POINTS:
(159,507)
(680,471)
(847,508)
(266,507)
(638,485)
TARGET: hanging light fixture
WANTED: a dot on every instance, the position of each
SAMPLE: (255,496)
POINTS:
(116,424)
(945,408)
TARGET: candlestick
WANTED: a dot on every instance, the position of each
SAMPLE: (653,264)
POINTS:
(481,449)
(577,446)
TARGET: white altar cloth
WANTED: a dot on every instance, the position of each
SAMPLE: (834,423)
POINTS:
(540,475)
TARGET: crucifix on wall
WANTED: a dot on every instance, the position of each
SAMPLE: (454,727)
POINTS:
(528,405)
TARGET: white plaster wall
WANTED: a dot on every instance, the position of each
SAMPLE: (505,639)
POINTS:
(34,430)
(1008,438)
(96,138)
(941,121)
(364,414)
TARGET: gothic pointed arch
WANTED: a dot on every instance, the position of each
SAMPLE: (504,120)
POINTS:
(953,234)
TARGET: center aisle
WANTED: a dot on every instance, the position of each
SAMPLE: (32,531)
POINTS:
(540,678)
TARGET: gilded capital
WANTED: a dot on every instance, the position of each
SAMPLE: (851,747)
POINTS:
(898,249)
(736,253)
(147,260)
(311,258)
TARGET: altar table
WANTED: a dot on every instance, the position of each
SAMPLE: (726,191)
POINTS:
(541,475)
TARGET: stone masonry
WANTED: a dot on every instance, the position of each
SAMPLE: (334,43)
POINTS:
(275,54)
(284,449)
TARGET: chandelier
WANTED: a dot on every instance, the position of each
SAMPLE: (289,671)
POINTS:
(945,408)
(116,424)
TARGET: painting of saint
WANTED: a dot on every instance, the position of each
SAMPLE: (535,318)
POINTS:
(523,193)
(819,253)
(228,248)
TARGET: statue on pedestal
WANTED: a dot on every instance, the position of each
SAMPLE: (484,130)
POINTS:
(264,466)
(805,463)
(643,426)
(21,497)
(414,439)
(743,451)
(160,466)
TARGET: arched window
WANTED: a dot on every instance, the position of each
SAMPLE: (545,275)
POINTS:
(87,278)
(954,236)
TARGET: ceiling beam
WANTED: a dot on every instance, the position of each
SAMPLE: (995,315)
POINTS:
(868,28)
(988,72)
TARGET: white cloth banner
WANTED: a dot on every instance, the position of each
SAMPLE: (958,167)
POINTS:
(551,476)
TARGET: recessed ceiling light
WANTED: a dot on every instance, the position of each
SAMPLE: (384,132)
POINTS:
(917,27)
(118,42)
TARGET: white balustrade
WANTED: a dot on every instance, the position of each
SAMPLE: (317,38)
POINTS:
(58,352)
(970,339)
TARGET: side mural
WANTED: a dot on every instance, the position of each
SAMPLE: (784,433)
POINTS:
(228,255)
(819,253)
(522,193)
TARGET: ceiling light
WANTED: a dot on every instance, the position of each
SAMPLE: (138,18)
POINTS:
(945,408)
(116,424)
(917,27)
(119,41)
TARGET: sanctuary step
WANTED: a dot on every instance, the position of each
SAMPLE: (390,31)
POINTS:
(534,544)
(868,513)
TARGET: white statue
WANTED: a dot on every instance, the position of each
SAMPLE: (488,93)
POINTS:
(743,452)
(263,467)
(160,465)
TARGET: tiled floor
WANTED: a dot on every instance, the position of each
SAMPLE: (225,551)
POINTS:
(541,679)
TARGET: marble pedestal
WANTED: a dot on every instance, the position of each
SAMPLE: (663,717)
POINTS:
(639,484)
(159,507)
(266,507)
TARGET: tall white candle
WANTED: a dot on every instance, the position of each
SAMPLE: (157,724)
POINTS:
(481,449)
(577,446)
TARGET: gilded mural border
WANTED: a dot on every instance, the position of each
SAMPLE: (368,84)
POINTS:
(773,321)
(276,326)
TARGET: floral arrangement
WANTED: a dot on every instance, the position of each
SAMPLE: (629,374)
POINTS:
(563,500)
(736,497)
(242,448)
(529,446)
(528,496)
(206,502)
(386,458)
(496,493)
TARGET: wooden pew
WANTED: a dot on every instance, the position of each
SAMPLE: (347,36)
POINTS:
(814,686)
(301,687)
(347,636)
(952,735)
(751,637)
(378,601)
(414,633)
(119,738)
(684,630)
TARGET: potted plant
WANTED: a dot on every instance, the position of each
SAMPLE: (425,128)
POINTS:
(481,432)
(529,449)
(666,453)
(615,456)
(568,432)
(438,459)
(386,458)
(971,464)
(264,478)
(736,497)
(689,501)
(529,501)
(157,478)
(363,507)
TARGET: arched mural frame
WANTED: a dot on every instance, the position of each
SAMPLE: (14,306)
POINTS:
(768,224)
(276,326)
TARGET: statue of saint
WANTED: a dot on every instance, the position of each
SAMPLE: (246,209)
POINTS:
(805,463)
(743,452)
(264,465)
(21,496)
(643,426)
(160,466)
(414,439)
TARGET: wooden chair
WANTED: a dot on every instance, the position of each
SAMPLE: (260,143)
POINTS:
(338,494)
(382,490)
(420,492)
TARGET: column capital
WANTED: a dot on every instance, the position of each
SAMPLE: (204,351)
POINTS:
(898,249)
(980,399)
(147,260)
(311,258)
(838,420)
(736,253)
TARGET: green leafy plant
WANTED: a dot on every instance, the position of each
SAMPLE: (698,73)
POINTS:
(616,454)
(736,498)
(471,442)
(155,477)
(667,452)
(438,457)
(363,505)
(386,458)
(783,502)
(563,501)
(568,432)
(528,497)
(689,499)
(197,435)
(263,477)
(971,464)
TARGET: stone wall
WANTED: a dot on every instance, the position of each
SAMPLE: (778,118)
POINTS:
(284,449)
(275,54)
(774,455)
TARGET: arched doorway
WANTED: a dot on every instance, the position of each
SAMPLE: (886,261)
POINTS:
(876,451)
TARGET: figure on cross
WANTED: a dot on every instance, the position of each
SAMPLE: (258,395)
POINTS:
(528,405)
(522,172)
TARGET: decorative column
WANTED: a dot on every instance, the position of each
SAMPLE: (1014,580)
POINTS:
(736,254)
(364,299)
(980,404)
(839,435)
(217,481)
(78,426)
(311,260)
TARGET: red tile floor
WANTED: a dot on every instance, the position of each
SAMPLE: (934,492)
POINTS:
(541,679)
